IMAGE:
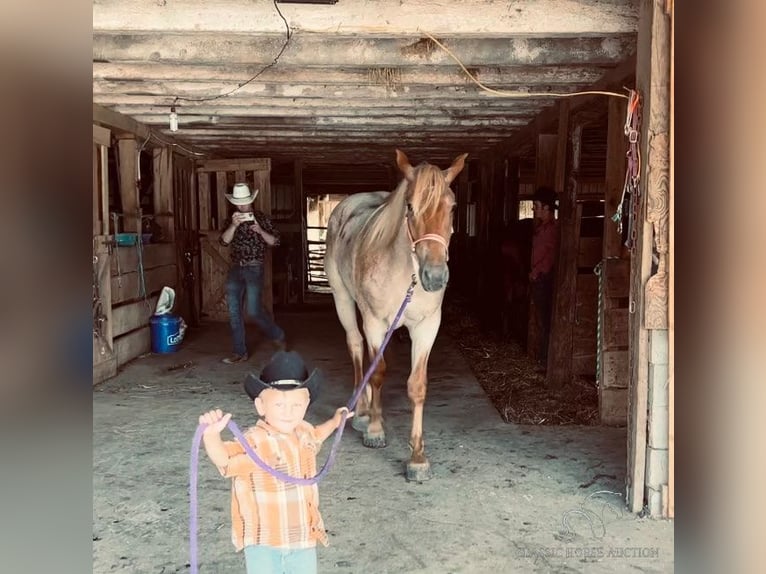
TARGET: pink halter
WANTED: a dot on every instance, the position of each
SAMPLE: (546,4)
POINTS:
(428,236)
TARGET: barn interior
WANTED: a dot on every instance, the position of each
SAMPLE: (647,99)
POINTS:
(308,101)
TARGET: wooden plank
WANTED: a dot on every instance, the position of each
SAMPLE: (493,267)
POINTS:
(131,316)
(240,176)
(127,286)
(652,83)
(194,199)
(103,346)
(162,194)
(262,181)
(560,351)
(101,136)
(616,322)
(132,345)
(96,191)
(126,259)
(616,278)
(299,201)
(613,406)
(546,160)
(584,365)
(128,155)
(586,288)
(615,175)
(614,369)
(671,280)
(104,158)
(215,268)
(589,252)
(104,370)
(559,181)
(223,205)
(203,193)
(233,164)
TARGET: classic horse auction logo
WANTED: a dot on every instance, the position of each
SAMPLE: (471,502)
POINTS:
(175,338)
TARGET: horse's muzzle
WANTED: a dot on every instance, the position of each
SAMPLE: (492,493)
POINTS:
(434,277)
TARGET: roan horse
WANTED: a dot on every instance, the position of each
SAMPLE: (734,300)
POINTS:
(376,243)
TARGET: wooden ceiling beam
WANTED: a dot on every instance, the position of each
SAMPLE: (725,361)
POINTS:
(353,51)
(450,74)
(392,17)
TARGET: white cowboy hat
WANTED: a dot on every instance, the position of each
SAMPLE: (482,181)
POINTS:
(240,195)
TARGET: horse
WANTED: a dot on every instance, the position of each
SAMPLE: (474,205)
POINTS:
(377,244)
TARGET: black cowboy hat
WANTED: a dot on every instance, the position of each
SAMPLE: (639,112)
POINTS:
(546,196)
(285,371)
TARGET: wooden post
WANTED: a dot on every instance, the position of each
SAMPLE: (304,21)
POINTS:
(262,181)
(128,153)
(96,191)
(565,292)
(163,192)
(300,208)
(203,194)
(652,83)
(671,511)
(512,189)
(561,148)
(222,203)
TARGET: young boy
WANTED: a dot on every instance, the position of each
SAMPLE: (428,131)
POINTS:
(276,523)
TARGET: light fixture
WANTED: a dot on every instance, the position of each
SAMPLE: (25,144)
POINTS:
(173,119)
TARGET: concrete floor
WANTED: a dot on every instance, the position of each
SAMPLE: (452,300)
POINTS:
(503,498)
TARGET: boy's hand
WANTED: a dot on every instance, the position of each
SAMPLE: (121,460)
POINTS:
(215,420)
(339,414)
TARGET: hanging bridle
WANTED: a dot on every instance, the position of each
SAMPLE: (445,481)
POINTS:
(426,237)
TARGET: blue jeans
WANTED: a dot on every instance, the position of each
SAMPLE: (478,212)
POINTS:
(245,284)
(267,560)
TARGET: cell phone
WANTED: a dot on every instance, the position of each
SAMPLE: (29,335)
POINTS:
(249,216)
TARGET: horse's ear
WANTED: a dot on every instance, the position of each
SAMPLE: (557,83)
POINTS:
(404,165)
(457,166)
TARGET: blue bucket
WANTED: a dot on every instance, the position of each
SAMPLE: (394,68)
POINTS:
(166,333)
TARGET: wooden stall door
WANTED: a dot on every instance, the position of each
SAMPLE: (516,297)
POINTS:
(214,178)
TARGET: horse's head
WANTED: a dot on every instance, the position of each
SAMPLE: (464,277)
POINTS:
(430,203)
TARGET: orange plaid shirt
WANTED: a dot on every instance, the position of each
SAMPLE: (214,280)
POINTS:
(264,509)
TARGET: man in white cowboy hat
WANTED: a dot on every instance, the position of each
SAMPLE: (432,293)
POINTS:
(248,234)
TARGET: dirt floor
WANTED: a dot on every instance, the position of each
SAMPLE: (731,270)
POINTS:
(503,497)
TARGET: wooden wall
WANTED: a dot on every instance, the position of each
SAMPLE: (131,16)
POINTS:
(127,280)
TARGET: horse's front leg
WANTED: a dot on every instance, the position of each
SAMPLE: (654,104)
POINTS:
(423,336)
(375,435)
(346,309)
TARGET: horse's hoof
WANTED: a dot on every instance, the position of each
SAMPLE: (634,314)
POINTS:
(374,441)
(360,423)
(418,472)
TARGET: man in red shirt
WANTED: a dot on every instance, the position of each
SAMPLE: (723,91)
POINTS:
(545,244)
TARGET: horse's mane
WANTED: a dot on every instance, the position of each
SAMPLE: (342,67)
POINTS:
(424,196)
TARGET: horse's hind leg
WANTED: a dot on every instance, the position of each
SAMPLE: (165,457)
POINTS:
(423,336)
(346,310)
(375,331)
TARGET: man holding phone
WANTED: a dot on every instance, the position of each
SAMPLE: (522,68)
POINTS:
(248,234)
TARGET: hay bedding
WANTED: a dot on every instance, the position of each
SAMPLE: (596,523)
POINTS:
(509,378)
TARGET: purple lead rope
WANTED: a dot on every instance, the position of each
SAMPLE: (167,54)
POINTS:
(232,426)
